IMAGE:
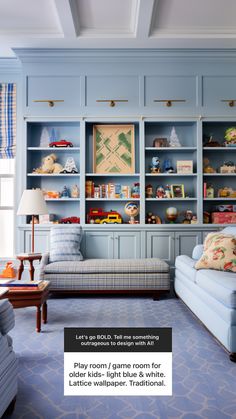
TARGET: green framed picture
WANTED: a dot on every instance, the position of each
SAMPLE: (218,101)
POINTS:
(113,149)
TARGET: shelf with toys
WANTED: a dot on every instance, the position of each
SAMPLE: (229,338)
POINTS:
(171,171)
(219,172)
(53,165)
(112,172)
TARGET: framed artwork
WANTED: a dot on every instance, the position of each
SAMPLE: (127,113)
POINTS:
(184,166)
(113,149)
(177,191)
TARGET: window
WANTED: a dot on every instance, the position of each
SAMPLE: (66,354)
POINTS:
(7,172)
(7,167)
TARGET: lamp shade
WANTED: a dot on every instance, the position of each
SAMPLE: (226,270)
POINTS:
(32,203)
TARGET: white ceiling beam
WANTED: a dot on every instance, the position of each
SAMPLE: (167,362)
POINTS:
(68,16)
(144,18)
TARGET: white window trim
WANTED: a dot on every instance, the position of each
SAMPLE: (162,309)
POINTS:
(11,207)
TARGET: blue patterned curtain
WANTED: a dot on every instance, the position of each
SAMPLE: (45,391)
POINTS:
(7,120)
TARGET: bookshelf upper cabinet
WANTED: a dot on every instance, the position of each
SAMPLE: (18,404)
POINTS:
(171,94)
(219,95)
(52,95)
(112,93)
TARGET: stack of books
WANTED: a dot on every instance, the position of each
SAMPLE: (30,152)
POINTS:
(21,285)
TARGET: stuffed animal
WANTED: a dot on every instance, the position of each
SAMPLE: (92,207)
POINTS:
(49,165)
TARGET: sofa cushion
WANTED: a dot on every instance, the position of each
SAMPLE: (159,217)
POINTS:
(197,251)
(118,266)
(229,230)
(219,253)
(185,265)
(220,285)
(65,243)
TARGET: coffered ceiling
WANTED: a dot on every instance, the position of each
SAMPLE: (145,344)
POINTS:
(116,24)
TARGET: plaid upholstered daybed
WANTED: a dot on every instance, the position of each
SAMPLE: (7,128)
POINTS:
(107,275)
(66,270)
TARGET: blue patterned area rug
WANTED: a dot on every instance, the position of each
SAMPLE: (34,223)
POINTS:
(204,380)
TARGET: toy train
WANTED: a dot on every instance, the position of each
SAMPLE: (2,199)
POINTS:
(98,216)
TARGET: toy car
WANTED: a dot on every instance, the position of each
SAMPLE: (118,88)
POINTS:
(61,143)
(112,219)
(70,220)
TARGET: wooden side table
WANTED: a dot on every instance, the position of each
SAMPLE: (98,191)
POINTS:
(37,296)
(30,258)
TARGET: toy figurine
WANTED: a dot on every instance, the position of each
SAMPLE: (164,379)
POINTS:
(70,166)
(136,190)
(167,192)
(194,219)
(207,168)
(188,217)
(167,167)
(230,137)
(149,191)
(65,193)
(155,166)
(160,193)
(132,210)
(74,191)
(171,214)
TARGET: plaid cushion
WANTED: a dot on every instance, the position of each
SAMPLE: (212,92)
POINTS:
(118,266)
(65,243)
(109,274)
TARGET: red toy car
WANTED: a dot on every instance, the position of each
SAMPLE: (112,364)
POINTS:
(61,143)
(70,220)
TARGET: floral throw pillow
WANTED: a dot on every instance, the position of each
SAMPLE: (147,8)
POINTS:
(219,253)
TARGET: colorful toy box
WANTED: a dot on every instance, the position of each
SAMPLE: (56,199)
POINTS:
(223,217)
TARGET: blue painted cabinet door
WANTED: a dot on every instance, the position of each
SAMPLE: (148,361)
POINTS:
(161,245)
(127,245)
(186,241)
(218,93)
(106,88)
(98,245)
(65,89)
(181,91)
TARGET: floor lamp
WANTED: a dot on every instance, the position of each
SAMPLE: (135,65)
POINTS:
(32,203)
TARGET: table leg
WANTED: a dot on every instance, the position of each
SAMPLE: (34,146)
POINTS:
(45,312)
(38,319)
(20,270)
(31,269)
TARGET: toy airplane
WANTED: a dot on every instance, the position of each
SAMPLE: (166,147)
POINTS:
(8,271)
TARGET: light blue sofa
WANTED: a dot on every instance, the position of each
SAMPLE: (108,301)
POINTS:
(8,361)
(210,295)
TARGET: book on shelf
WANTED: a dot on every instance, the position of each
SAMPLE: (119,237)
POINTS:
(23,284)
(204,190)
